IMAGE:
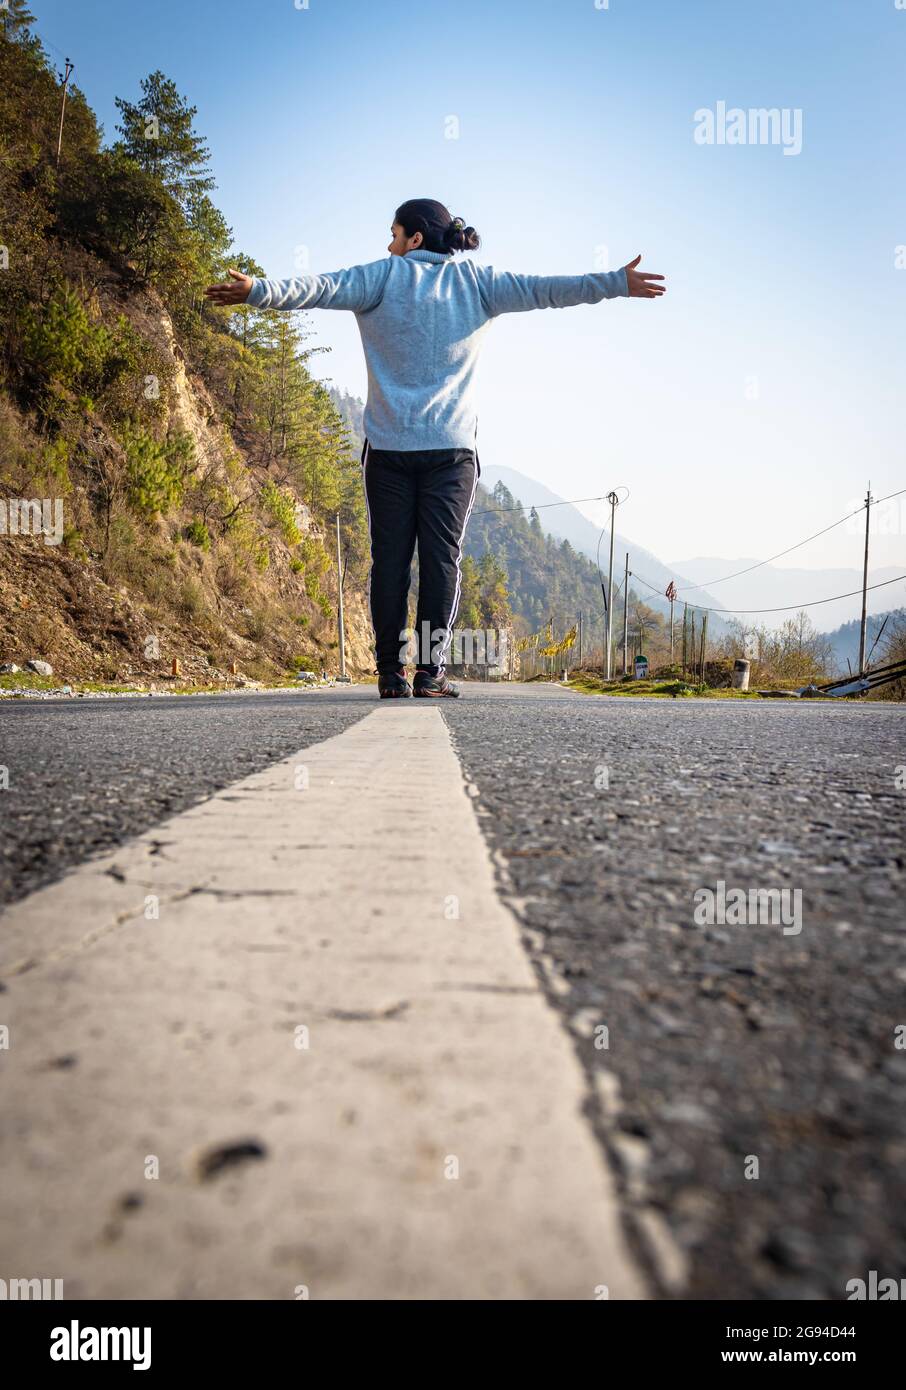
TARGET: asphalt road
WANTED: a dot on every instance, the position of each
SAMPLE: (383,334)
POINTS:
(728,1042)
(84,775)
(751,1090)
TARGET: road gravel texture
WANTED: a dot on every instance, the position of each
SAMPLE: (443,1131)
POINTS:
(727,1043)
(751,1092)
(86,775)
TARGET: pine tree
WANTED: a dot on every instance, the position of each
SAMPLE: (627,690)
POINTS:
(15,18)
(495,599)
(158,134)
(289,416)
(211,233)
(503,497)
(469,615)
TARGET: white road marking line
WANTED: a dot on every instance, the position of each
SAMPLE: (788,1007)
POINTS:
(431,1047)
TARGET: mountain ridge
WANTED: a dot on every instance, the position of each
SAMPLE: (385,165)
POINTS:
(781,586)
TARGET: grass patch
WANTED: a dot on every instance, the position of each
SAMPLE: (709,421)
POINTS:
(588,684)
(28,680)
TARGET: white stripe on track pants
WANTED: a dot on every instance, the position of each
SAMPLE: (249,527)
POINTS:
(422,498)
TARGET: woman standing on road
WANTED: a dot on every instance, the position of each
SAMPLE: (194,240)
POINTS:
(422,314)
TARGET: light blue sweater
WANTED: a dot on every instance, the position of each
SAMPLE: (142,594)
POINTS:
(422,318)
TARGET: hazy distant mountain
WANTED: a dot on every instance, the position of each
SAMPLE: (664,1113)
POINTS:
(772,586)
(845,639)
(764,588)
(350,408)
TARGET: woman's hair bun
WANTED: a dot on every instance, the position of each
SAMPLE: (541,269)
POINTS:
(441,231)
(459,237)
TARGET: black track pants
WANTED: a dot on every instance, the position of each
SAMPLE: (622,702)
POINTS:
(416,497)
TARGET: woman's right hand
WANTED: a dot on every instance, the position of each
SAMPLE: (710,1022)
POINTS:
(639,281)
(235,291)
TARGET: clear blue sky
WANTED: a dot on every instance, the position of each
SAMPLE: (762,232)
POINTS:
(576,132)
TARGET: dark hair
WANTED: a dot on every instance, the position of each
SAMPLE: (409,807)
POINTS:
(440,232)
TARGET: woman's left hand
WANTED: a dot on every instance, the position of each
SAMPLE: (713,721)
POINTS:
(640,281)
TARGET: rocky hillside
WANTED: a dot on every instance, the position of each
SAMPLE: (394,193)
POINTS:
(192,465)
(227,603)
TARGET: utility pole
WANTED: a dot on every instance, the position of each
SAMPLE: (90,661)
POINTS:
(66,76)
(671,595)
(864,585)
(580,639)
(340,605)
(613,500)
(626,616)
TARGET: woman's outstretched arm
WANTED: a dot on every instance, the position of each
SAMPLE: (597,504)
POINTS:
(507,293)
(357,289)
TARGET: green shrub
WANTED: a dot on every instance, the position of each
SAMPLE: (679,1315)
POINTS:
(62,343)
(69,352)
(198,533)
(155,470)
(30,464)
(55,462)
(135,376)
(314,556)
(677,687)
(279,506)
(73,543)
(191,600)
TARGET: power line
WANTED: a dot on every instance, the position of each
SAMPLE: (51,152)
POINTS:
(58,51)
(729,612)
(709,584)
(787,608)
(538,506)
(46,42)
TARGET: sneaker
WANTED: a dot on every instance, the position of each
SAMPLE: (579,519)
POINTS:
(434,687)
(393,685)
